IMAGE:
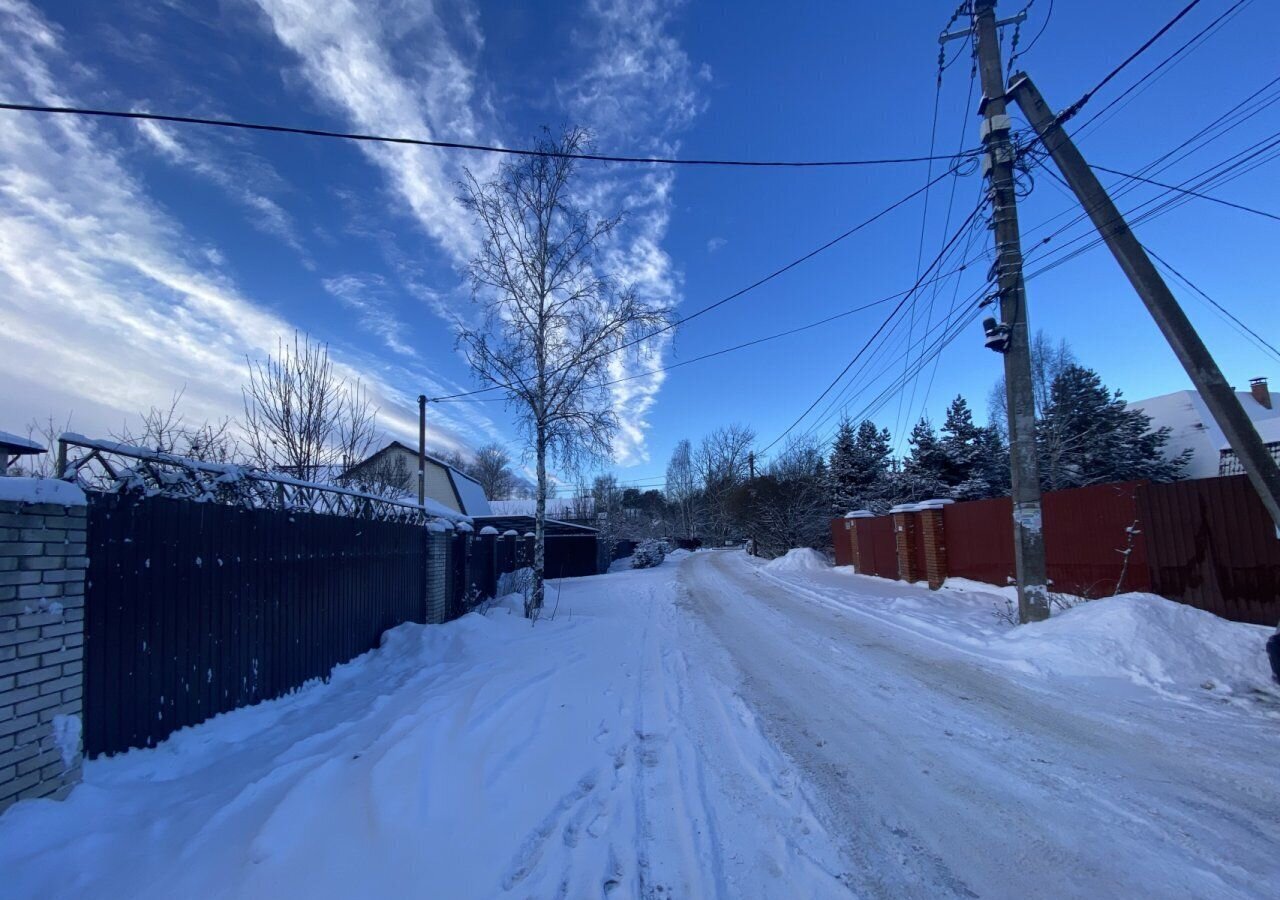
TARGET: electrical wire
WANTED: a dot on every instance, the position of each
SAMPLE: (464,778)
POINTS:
(1265,344)
(733,296)
(959,232)
(1174,187)
(1173,58)
(458,145)
(1075,108)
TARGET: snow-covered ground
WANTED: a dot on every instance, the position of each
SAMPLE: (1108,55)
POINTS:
(593,754)
(713,727)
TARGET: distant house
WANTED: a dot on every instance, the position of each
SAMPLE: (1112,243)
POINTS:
(1193,428)
(395,466)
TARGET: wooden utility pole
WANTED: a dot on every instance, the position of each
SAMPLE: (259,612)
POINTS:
(422,448)
(1173,323)
(1011,334)
(751,497)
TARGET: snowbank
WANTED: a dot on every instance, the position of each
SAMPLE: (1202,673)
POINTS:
(41,490)
(1149,640)
(801,559)
(1141,638)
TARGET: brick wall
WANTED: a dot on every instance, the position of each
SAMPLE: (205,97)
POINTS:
(42,580)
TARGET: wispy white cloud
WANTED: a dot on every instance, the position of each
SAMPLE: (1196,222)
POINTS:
(401,69)
(715,243)
(639,90)
(106,300)
(366,294)
(264,213)
(345,51)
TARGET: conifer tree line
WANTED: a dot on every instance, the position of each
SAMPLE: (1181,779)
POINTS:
(1084,435)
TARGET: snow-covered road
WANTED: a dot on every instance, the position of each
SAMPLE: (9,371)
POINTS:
(946,774)
(710,728)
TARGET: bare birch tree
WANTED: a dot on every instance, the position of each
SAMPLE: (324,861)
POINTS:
(301,417)
(551,319)
(682,488)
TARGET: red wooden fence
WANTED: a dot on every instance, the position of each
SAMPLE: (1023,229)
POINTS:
(1213,545)
(1208,543)
(876,550)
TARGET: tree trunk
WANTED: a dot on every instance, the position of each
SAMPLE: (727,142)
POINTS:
(539,529)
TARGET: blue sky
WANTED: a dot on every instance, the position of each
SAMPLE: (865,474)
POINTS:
(136,260)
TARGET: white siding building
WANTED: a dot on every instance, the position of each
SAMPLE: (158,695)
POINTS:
(1193,428)
(397,464)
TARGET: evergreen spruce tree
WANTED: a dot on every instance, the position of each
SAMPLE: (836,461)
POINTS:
(990,475)
(921,477)
(959,444)
(1087,436)
(843,477)
(872,453)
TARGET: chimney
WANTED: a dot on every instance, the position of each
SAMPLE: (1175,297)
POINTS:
(1258,387)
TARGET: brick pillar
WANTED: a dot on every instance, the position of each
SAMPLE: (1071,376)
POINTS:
(42,579)
(935,547)
(437,606)
(904,536)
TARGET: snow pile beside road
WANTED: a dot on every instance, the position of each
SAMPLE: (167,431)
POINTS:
(801,559)
(1148,639)
(1141,638)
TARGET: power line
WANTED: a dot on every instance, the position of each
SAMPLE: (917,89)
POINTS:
(736,294)
(1172,187)
(458,145)
(1222,309)
(1088,95)
(745,344)
(1175,57)
(960,231)
(1044,25)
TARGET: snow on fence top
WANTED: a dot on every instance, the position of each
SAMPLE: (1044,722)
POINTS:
(41,490)
(18,444)
(115,468)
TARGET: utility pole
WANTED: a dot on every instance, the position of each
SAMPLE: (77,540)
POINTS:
(1173,323)
(1011,333)
(751,495)
(422,449)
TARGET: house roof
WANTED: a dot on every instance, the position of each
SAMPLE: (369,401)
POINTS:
(1192,427)
(1268,430)
(468,491)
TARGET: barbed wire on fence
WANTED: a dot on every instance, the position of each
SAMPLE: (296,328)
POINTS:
(113,468)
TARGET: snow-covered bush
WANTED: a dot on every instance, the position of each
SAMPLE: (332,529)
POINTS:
(518,582)
(649,554)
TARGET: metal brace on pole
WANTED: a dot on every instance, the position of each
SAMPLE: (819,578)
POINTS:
(1173,323)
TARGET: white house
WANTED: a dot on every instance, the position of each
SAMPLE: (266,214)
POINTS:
(397,465)
(1192,427)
